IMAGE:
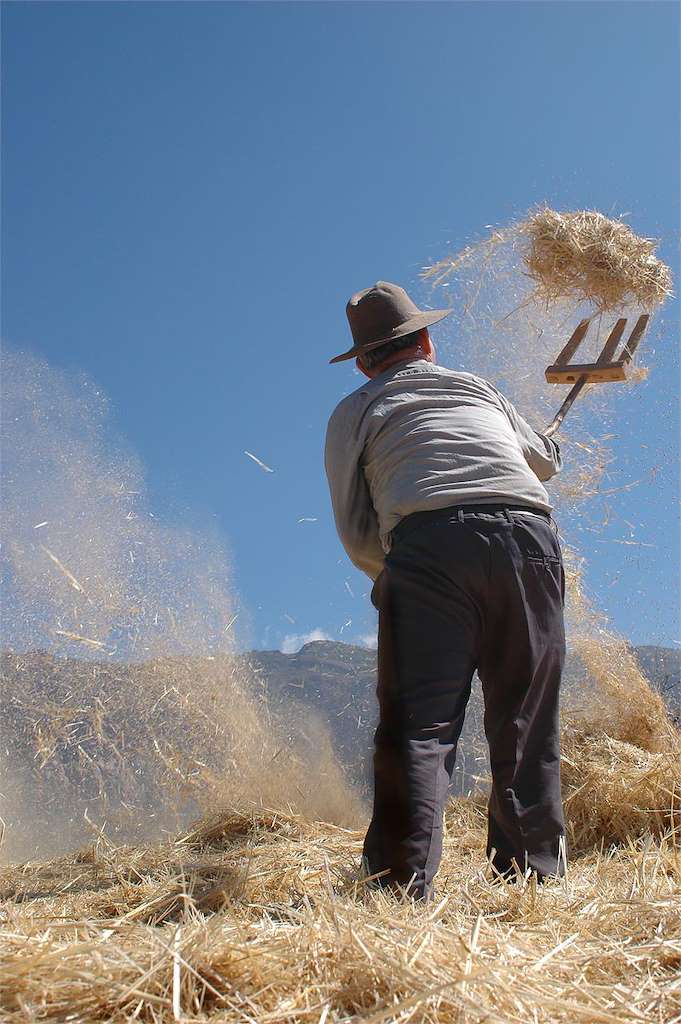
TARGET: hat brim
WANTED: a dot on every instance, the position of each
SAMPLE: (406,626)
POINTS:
(415,323)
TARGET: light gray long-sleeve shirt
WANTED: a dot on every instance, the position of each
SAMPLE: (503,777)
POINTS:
(420,436)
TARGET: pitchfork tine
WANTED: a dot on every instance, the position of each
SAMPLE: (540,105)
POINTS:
(612,342)
(634,338)
(575,341)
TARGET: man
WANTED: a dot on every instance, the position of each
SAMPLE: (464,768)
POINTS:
(435,482)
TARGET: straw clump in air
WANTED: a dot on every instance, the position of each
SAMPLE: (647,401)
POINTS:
(585,256)
(576,256)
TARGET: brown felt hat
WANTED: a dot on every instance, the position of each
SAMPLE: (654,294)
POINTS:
(381,314)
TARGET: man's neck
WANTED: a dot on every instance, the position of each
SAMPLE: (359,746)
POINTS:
(400,357)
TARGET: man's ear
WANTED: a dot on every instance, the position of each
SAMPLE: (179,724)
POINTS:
(363,369)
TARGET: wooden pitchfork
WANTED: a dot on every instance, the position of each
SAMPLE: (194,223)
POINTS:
(606,368)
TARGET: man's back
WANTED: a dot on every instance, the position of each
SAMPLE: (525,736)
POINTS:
(421,437)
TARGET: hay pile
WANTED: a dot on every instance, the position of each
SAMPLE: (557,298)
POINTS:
(619,701)
(256,918)
(615,791)
(621,752)
(146,747)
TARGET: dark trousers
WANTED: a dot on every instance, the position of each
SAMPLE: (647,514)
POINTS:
(479,587)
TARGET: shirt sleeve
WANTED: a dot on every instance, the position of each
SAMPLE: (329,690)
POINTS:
(353,510)
(541,453)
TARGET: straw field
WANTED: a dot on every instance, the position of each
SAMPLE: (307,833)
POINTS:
(258,915)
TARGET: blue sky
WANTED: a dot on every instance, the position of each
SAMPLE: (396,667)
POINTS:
(192,191)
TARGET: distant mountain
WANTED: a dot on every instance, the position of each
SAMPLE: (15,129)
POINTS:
(335,679)
(118,740)
(338,681)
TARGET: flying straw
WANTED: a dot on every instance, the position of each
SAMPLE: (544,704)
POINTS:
(259,462)
(88,641)
(69,575)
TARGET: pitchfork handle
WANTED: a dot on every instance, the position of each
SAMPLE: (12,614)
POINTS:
(560,415)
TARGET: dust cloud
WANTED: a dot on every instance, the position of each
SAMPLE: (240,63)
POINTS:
(123,704)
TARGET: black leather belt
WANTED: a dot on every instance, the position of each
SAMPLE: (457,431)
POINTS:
(460,512)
